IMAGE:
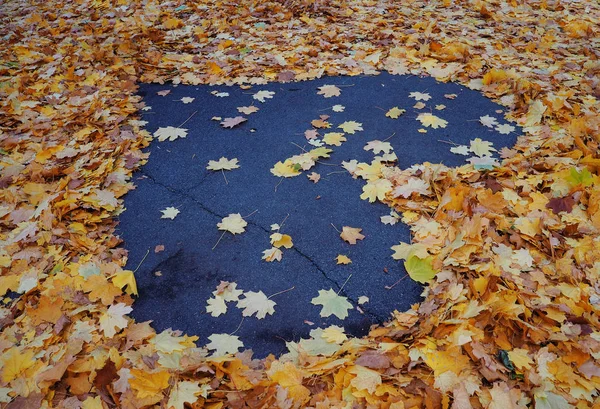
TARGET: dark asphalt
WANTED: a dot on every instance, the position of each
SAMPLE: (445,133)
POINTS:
(176,176)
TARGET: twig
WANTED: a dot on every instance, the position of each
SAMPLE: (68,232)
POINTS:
(342,287)
(281,292)
(144,258)
(190,117)
(389,287)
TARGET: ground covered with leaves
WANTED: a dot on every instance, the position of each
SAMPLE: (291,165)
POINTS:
(510,319)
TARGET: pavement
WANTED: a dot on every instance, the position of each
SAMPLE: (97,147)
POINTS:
(175,284)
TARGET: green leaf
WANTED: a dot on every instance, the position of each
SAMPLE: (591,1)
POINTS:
(577,178)
(420,270)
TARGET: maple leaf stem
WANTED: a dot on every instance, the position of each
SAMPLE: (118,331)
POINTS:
(337,171)
(281,292)
(283,221)
(144,258)
(278,183)
(333,225)
(239,325)
(389,287)
(190,117)
(342,287)
(224,177)
(304,150)
(243,217)
(448,142)
(375,106)
(389,137)
(217,243)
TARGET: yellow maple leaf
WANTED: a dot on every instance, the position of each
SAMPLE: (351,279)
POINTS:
(366,379)
(15,362)
(341,259)
(395,112)
(290,377)
(148,384)
(430,120)
(376,190)
(281,240)
(285,169)
(233,223)
(519,358)
(126,279)
(334,138)
(351,127)
(334,334)
(351,234)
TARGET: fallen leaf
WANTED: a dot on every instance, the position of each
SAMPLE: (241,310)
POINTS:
(395,113)
(329,91)
(341,259)
(263,95)
(233,122)
(170,133)
(351,234)
(420,96)
(430,120)
(224,344)
(223,164)
(333,304)
(256,303)
(169,213)
(351,127)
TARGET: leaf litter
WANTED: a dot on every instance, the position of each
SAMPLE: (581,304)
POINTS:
(510,318)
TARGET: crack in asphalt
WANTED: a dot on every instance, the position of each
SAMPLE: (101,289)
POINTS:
(294,248)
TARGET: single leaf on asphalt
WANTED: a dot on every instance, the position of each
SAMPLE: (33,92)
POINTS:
(224,344)
(171,133)
(187,100)
(341,259)
(338,108)
(351,234)
(430,120)
(505,129)
(481,148)
(314,177)
(420,270)
(281,240)
(247,110)
(232,122)
(329,91)
(262,95)
(378,147)
(488,121)
(272,254)
(363,299)
(286,169)
(334,138)
(420,96)
(351,127)
(228,291)
(223,164)
(169,213)
(216,306)
(256,303)
(460,150)
(233,223)
(333,304)
(395,113)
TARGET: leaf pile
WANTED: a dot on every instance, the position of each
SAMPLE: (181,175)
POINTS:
(510,319)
